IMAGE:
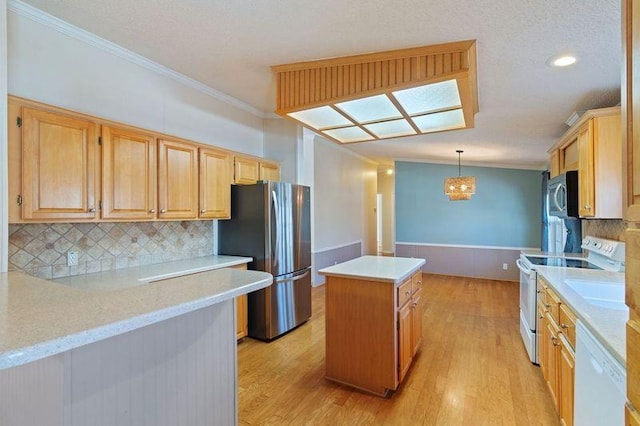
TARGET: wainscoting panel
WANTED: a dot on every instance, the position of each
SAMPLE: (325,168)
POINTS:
(181,371)
(469,261)
(331,256)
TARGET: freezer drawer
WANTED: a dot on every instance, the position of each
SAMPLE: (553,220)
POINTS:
(282,306)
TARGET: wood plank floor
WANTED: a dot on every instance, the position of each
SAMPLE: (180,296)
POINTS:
(472,369)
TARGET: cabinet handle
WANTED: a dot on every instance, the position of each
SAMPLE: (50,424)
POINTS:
(152,211)
(203,211)
(538,291)
(563,325)
(92,210)
(407,293)
(547,305)
(554,341)
(163,211)
(587,207)
(541,316)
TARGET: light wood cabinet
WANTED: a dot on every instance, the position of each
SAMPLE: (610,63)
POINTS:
(246,171)
(631,416)
(249,170)
(242,319)
(568,156)
(405,350)
(554,163)
(556,350)
(177,180)
(60,167)
(566,383)
(269,171)
(215,184)
(593,147)
(373,331)
(129,174)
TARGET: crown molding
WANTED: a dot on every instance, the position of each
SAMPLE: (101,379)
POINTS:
(39,16)
(467,163)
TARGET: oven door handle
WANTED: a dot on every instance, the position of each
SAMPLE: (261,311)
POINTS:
(521,266)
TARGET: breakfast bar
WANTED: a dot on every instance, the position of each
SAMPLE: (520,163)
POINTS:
(373,321)
(161,352)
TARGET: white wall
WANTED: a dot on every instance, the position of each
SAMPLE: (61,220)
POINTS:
(280,144)
(4,237)
(65,70)
(340,197)
(386,184)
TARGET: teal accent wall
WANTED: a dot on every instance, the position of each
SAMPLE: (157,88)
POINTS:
(504,212)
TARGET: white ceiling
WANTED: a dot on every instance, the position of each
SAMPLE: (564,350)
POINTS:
(230,46)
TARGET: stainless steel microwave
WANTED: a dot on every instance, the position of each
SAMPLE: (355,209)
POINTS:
(562,192)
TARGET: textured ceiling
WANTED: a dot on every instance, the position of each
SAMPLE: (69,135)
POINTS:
(230,45)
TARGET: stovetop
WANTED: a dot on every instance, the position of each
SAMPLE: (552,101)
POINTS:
(562,261)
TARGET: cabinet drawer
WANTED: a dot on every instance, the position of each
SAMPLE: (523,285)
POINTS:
(568,324)
(553,305)
(633,363)
(404,292)
(416,281)
(632,418)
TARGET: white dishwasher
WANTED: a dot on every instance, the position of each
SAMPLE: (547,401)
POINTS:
(600,383)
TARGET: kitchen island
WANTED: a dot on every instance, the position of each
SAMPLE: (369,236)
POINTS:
(373,321)
(156,353)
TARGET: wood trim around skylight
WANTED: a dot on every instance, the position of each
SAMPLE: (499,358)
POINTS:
(306,85)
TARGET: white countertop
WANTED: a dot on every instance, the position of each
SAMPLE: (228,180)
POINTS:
(375,268)
(40,318)
(139,275)
(607,325)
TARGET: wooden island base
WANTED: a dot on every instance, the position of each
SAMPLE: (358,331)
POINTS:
(373,324)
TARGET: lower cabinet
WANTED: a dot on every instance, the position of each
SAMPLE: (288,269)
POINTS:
(556,351)
(373,331)
(242,313)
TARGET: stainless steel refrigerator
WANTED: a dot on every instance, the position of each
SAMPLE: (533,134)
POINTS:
(270,221)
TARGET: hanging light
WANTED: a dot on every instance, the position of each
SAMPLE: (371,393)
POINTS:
(460,187)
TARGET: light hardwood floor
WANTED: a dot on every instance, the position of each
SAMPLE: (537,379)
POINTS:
(472,368)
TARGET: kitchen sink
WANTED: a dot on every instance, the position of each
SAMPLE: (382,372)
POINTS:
(603,294)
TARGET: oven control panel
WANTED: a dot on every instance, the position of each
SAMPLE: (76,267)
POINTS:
(609,249)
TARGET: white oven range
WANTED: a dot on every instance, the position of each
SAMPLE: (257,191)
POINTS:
(600,254)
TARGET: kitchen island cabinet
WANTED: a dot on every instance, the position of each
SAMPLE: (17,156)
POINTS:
(161,352)
(373,321)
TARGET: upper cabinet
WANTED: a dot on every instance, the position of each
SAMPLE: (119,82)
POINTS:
(630,115)
(129,174)
(593,146)
(245,171)
(177,180)
(554,164)
(269,171)
(60,167)
(215,184)
(250,170)
(67,166)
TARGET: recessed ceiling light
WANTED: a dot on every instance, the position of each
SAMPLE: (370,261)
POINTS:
(562,61)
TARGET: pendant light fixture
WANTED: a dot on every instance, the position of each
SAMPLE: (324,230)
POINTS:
(460,187)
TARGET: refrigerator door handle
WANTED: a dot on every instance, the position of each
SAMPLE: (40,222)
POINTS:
(294,278)
(276,252)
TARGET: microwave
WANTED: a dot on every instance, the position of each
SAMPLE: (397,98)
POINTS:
(562,193)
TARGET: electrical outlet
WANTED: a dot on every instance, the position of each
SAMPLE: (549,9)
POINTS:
(72,258)
(505,266)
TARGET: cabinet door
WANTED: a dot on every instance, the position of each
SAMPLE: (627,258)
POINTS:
(242,325)
(129,182)
(416,321)
(586,190)
(568,159)
(404,341)
(60,166)
(215,184)
(177,180)
(631,108)
(552,358)
(246,171)
(269,172)
(554,164)
(567,374)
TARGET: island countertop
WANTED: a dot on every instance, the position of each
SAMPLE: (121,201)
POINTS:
(375,268)
(40,318)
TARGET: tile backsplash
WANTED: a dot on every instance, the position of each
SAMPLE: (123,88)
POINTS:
(611,229)
(41,249)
